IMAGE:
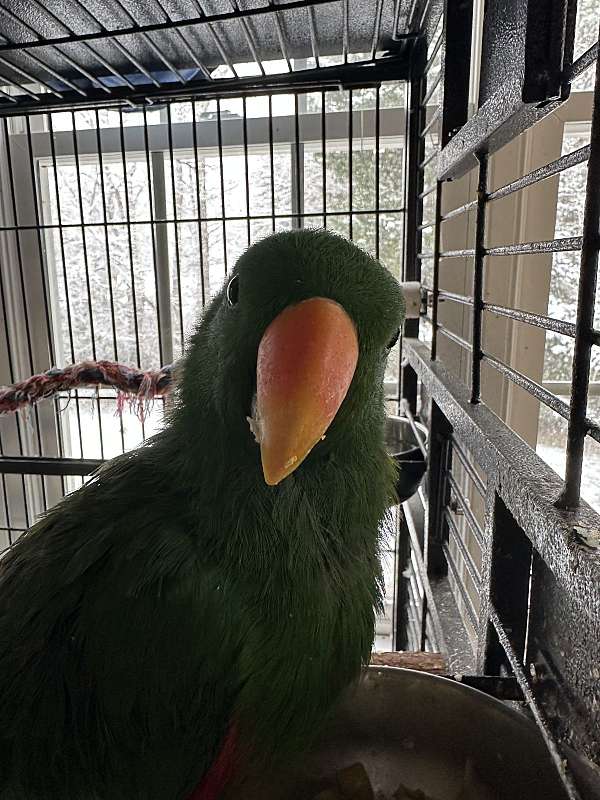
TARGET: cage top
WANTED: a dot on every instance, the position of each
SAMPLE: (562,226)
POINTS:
(119,49)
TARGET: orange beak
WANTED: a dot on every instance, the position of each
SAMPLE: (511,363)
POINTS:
(306,359)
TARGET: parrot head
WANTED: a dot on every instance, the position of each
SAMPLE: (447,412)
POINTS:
(297,342)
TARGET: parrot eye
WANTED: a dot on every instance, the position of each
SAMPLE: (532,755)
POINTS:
(393,340)
(233,290)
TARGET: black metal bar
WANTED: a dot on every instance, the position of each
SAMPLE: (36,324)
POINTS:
(465,253)
(466,598)
(217,40)
(222,181)
(459,210)
(198,203)
(377,28)
(159,309)
(324,157)
(431,89)
(565,245)
(186,45)
(314,41)
(455,298)
(454,337)
(175,224)
(61,54)
(435,531)
(108,259)
(281,36)
(428,160)
(466,556)
(64,273)
(588,277)
(377,165)
(541,173)
(298,168)
(6,82)
(535,389)
(340,76)
(482,185)
(129,238)
(435,117)
(346,32)
(434,53)
(272,163)
(350,160)
(427,191)
(558,759)
(25,465)
(11,15)
(246,168)
(227,218)
(537,320)
(137,64)
(468,467)
(249,38)
(84,252)
(170,25)
(405,408)
(422,570)
(436,271)
(31,78)
(466,508)
(584,61)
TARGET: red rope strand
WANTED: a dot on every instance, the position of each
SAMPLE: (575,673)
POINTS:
(139,387)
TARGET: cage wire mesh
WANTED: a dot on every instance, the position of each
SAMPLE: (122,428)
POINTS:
(118,226)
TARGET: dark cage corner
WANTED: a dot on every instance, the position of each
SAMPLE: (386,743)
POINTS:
(143,147)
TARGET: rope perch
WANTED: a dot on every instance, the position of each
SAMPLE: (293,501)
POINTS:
(138,387)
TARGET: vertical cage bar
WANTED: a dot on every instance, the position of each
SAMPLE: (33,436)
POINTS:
(222,182)
(588,276)
(414,207)
(159,309)
(106,242)
(478,264)
(377,165)
(271,162)
(61,237)
(175,223)
(86,265)
(324,156)
(129,237)
(436,269)
(297,172)
(108,259)
(246,168)
(198,203)
(350,157)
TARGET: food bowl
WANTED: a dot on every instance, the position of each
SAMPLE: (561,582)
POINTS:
(427,733)
(402,445)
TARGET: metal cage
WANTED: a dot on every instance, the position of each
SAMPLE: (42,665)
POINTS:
(442,111)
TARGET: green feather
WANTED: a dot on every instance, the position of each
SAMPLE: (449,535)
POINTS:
(176,591)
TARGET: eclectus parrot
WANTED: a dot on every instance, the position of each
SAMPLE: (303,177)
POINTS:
(192,613)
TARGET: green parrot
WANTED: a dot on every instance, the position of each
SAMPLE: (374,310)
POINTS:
(192,613)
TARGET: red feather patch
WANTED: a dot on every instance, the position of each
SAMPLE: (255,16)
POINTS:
(213,783)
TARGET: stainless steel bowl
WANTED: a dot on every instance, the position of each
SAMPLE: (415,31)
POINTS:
(401,443)
(427,733)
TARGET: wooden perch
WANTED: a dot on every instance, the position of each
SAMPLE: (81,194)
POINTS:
(425,662)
